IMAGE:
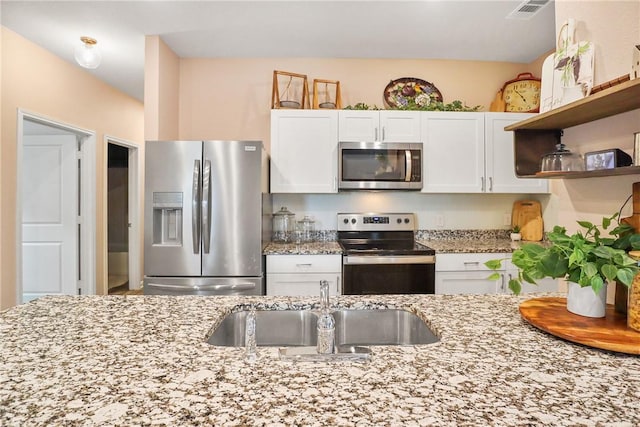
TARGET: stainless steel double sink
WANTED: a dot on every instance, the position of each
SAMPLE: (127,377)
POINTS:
(282,328)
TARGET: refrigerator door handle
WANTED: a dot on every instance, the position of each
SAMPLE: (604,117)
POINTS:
(220,287)
(195,207)
(206,206)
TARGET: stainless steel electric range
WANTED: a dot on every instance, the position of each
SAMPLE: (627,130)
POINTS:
(381,255)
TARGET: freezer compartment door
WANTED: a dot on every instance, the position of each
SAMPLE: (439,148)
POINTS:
(232,208)
(173,179)
(203,286)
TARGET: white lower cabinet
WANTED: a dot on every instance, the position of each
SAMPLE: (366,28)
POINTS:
(543,285)
(467,274)
(465,282)
(300,275)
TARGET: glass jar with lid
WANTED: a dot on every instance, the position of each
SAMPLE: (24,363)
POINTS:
(307,229)
(283,225)
(633,302)
(562,160)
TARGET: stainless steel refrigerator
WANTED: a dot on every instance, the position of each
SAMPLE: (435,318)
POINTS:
(207,211)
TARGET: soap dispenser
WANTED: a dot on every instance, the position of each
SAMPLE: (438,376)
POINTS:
(326,322)
(250,344)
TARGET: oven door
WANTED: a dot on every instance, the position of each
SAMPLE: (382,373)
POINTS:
(380,166)
(402,274)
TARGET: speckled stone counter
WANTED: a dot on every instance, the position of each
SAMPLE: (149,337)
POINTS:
(443,241)
(471,246)
(141,360)
(468,241)
(313,248)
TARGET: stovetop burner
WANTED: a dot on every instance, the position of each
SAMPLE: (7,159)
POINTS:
(379,234)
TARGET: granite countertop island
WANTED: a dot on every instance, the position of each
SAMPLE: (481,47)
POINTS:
(143,360)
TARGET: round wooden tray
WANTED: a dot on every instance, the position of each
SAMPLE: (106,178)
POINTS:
(607,333)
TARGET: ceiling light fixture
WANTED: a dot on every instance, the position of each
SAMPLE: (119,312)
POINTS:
(87,54)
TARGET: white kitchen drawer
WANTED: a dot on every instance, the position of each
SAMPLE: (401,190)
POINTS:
(304,264)
(467,262)
(305,284)
(466,282)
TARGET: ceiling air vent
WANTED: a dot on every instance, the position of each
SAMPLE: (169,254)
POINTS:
(527,9)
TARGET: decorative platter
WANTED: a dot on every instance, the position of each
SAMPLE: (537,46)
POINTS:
(606,333)
(400,92)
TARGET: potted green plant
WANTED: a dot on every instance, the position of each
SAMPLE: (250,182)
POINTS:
(587,259)
(515,233)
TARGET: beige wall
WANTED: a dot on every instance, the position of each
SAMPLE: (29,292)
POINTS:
(37,81)
(231,98)
(161,91)
(614,27)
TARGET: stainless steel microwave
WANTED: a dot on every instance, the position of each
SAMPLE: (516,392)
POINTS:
(379,166)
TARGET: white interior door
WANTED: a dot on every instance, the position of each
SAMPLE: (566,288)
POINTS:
(49,216)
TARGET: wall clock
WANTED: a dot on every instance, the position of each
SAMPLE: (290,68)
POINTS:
(522,94)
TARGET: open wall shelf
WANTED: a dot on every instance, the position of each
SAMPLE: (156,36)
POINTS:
(537,136)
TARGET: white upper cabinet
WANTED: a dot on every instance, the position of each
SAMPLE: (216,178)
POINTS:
(304,151)
(499,157)
(383,126)
(463,152)
(472,153)
(453,152)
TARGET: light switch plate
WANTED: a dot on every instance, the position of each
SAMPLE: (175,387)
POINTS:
(440,221)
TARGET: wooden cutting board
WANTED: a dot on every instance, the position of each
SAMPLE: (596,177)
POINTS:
(527,214)
(608,333)
(548,83)
(634,219)
(498,103)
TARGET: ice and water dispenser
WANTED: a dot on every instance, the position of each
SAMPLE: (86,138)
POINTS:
(167,218)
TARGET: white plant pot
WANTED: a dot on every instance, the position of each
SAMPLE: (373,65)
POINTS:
(585,302)
(516,236)
(571,94)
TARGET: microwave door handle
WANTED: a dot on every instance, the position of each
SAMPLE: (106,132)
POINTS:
(206,206)
(195,207)
(407,156)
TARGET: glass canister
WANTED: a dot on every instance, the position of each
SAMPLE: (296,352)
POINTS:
(561,160)
(307,228)
(633,302)
(284,223)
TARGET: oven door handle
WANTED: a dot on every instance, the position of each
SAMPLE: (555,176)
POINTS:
(407,157)
(392,259)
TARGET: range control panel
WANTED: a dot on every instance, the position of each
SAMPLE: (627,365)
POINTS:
(376,221)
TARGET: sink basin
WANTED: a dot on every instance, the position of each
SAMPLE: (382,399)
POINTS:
(283,328)
(381,327)
(273,328)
